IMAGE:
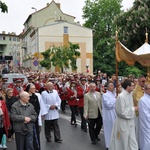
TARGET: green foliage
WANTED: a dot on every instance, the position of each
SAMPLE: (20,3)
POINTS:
(47,60)
(103,16)
(3,7)
(132,70)
(133,23)
(61,56)
(99,15)
(132,26)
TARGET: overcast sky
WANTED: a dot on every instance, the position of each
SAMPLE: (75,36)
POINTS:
(19,10)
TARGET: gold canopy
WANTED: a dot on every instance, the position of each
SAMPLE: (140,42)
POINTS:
(141,55)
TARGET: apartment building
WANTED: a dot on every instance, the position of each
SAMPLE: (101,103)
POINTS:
(10,49)
(48,27)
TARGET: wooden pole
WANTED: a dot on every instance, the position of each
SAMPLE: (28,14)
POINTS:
(116,64)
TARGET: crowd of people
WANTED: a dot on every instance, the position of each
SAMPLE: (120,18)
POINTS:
(121,107)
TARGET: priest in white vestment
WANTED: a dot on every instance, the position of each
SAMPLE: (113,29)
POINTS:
(144,119)
(108,112)
(52,103)
(123,134)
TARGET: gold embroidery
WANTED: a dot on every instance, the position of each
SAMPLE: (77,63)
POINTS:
(118,135)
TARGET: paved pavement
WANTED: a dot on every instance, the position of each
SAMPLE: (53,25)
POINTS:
(73,137)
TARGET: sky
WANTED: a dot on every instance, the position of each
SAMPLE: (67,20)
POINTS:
(19,10)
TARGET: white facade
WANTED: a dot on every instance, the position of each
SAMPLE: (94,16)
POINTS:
(45,28)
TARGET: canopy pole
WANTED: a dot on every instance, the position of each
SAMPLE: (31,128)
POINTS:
(148,75)
(116,64)
(146,34)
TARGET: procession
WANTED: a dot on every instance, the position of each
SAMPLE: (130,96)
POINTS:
(25,106)
(76,76)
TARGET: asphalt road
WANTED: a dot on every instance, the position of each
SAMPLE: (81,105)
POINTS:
(73,137)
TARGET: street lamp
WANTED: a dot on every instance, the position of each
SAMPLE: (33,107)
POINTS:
(36,40)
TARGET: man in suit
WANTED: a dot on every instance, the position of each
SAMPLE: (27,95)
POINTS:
(92,112)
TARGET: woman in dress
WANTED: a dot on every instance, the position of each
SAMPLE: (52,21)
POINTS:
(35,102)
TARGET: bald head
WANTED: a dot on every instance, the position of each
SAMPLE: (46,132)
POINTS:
(50,86)
(24,97)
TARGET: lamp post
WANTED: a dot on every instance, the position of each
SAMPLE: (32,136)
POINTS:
(36,44)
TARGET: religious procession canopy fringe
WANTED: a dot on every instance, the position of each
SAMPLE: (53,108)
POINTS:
(141,55)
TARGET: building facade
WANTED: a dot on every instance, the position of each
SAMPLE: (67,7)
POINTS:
(51,27)
(10,49)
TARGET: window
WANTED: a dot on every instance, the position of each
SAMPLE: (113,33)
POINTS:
(18,54)
(9,38)
(4,38)
(18,39)
(65,30)
(14,38)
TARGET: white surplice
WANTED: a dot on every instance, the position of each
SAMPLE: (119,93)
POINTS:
(43,110)
(109,115)
(123,134)
(50,99)
(144,122)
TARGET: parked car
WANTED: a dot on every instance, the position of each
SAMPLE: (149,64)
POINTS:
(10,77)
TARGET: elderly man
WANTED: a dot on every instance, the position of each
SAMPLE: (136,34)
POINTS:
(52,102)
(23,116)
(144,119)
(92,112)
(108,111)
(123,134)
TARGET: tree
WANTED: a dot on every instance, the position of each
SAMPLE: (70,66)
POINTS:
(61,56)
(132,70)
(3,7)
(133,24)
(99,15)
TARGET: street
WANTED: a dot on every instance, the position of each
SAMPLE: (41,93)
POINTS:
(73,137)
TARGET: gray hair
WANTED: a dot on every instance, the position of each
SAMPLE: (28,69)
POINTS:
(8,90)
(23,94)
(92,83)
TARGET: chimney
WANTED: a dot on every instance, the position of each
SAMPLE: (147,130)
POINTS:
(3,32)
(58,5)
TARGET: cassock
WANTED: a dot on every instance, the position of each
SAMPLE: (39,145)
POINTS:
(123,134)
(109,115)
(144,122)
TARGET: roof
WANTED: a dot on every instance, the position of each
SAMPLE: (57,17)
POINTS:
(56,23)
(44,8)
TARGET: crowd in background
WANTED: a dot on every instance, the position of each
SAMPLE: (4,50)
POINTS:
(70,89)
